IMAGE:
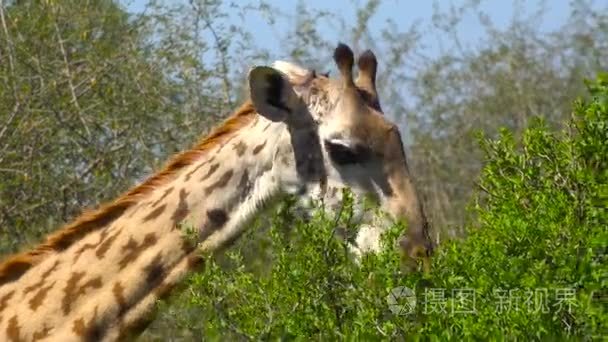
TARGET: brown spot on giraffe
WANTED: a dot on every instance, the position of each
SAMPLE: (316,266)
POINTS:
(182,208)
(165,194)
(135,328)
(220,183)
(240,148)
(244,185)
(212,169)
(4,300)
(192,259)
(118,292)
(42,279)
(42,333)
(189,174)
(155,213)
(39,297)
(88,246)
(133,249)
(154,271)
(72,291)
(105,246)
(155,276)
(219,150)
(216,218)
(89,331)
(258,148)
(13,331)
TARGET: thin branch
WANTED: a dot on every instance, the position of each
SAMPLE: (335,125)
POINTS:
(484,189)
(221,51)
(13,171)
(10,48)
(10,119)
(70,83)
(11,65)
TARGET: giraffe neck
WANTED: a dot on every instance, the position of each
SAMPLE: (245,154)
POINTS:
(107,282)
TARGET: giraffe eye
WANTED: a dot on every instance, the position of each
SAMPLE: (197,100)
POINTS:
(342,154)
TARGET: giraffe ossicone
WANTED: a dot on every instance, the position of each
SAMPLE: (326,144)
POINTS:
(98,277)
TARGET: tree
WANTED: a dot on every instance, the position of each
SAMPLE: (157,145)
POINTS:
(92,99)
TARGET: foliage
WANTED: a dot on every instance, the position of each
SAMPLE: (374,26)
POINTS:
(76,96)
(533,267)
(512,75)
(92,99)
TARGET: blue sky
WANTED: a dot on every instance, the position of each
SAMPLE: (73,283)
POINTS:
(408,12)
(404,13)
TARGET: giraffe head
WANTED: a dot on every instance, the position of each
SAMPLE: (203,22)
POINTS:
(338,137)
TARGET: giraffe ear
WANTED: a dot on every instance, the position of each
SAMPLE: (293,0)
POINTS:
(271,93)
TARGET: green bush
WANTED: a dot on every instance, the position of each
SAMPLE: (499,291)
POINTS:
(532,267)
(541,237)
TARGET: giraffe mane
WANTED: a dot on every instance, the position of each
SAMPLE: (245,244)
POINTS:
(90,220)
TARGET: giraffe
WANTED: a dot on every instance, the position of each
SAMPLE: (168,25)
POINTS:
(98,277)
(370,226)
